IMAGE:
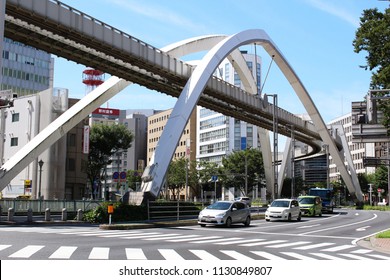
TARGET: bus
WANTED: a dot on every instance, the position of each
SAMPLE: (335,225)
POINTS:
(327,197)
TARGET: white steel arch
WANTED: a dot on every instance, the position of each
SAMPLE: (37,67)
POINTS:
(154,174)
(197,44)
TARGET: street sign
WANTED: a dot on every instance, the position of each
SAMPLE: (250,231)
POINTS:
(115,176)
(214,178)
(122,176)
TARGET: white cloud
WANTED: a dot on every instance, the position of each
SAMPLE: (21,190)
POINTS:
(337,11)
(157,13)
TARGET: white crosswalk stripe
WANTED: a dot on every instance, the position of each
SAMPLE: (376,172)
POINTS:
(298,256)
(64,252)
(241,240)
(288,244)
(338,248)
(263,243)
(326,256)
(204,255)
(3,247)
(27,251)
(103,253)
(99,253)
(236,255)
(170,254)
(135,254)
(267,256)
(314,246)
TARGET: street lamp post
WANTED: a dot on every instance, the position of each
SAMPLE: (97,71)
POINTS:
(40,163)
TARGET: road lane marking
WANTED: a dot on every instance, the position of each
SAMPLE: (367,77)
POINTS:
(298,256)
(165,236)
(313,246)
(355,257)
(2,247)
(288,244)
(27,251)
(236,255)
(239,241)
(170,254)
(362,228)
(64,252)
(326,256)
(99,253)
(338,248)
(267,255)
(263,243)
(204,255)
(135,254)
(341,226)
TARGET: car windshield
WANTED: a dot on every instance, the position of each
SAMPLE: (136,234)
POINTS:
(280,203)
(219,206)
(306,200)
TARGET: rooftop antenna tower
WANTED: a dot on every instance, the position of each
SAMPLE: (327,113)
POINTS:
(92,78)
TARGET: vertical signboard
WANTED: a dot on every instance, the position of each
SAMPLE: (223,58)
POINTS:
(86,139)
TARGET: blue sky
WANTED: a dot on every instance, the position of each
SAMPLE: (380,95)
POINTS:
(314,35)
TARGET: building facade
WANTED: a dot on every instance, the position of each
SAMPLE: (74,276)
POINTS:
(217,134)
(22,122)
(358,150)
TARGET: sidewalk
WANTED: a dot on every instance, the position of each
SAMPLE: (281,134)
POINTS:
(377,244)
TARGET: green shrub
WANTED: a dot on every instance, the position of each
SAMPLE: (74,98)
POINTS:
(122,213)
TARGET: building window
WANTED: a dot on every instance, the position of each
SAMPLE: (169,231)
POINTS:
(15,117)
(14,141)
(71,164)
(72,140)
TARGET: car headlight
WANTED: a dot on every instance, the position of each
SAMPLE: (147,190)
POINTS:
(220,215)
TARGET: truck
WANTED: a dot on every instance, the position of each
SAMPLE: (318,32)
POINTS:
(327,197)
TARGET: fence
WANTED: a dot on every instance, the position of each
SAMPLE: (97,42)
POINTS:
(177,210)
(21,206)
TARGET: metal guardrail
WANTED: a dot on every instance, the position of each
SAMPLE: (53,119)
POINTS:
(21,206)
(173,210)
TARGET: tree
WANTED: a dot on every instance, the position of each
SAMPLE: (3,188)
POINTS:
(176,176)
(104,142)
(373,36)
(243,169)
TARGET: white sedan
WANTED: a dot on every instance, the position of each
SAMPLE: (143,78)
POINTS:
(283,209)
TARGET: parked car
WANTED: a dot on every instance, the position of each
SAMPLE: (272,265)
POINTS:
(245,200)
(310,205)
(225,213)
(283,209)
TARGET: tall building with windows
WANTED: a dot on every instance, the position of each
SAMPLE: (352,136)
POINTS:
(24,69)
(219,135)
(358,150)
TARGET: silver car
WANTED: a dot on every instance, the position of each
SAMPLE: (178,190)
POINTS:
(225,213)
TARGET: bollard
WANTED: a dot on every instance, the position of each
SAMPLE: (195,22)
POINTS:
(47,214)
(11,212)
(64,215)
(29,215)
(1,212)
(79,215)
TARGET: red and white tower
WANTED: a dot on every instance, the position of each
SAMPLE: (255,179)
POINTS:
(92,78)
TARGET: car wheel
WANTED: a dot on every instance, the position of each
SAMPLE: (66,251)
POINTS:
(267,220)
(299,217)
(229,222)
(247,221)
(202,225)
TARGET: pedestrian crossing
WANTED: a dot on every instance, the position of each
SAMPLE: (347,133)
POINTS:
(259,248)
(104,253)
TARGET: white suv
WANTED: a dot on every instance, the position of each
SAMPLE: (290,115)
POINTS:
(283,209)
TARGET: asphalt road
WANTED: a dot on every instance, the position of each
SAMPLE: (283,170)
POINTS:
(330,237)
